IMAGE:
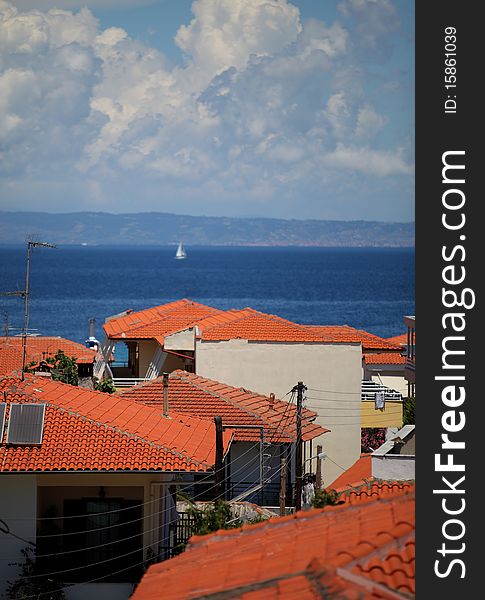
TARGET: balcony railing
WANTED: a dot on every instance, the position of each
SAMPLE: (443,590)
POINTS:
(125,382)
(370,388)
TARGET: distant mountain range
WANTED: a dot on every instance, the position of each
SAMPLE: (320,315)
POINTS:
(97,228)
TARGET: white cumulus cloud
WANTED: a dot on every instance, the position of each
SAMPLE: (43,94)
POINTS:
(265,110)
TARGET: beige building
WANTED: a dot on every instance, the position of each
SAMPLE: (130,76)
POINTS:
(260,352)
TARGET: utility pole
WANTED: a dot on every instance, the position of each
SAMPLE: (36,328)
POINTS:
(283,487)
(318,482)
(219,467)
(165,394)
(30,245)
(300,388)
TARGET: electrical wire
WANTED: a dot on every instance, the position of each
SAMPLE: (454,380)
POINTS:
(155,514)
(231,476)
(152,515)
(132,566)
(118,525)
(208,477)
(117,557)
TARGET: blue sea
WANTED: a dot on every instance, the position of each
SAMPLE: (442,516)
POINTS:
(370,289)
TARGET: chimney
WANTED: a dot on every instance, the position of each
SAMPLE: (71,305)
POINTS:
(91,327)
(271,400)
(165,394)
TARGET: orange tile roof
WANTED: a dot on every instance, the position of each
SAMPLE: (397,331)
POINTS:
(400,340)
(39,348)
(253,325)
(369,489)
(158,321)
(361,469)
(218,325)
(192,394)
(384,358)
(334,548)
(92,431)
(345,333)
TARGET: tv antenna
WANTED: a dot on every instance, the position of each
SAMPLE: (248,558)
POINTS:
(31,244)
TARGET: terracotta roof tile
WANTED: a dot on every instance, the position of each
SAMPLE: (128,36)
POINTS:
(322,553)
(218,325)
(86,430)
(345,333)
(384,358)
(39,348)
(158,321)
(252,325)
(360,470)
(192,394)
(399,340)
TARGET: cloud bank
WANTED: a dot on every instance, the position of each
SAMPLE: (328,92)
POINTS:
(266,116)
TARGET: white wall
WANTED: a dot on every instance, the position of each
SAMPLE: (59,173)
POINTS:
(276,367)
(392,376)
(393,467)
(18,508)
(182,340)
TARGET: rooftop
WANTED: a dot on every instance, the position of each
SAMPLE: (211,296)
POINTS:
(360,471)
(362,548)
(384,358)
(39,348)
(92,431)
(158,321)
(400,340)
(347,334)
(192,394)
(212,324)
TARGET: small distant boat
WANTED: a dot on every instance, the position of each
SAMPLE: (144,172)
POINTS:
(180,254)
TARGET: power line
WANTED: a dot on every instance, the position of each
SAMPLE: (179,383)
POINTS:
(208,477)
(117,557)
(132,566)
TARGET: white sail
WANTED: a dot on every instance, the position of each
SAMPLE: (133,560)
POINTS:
(180,252)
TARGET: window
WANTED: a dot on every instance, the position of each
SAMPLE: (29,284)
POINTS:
(102,538)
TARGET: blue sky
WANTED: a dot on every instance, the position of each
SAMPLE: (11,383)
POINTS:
(273,108)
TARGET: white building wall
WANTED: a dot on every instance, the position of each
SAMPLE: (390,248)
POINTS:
(393,467)
(334,369)
(395,382)
(182,340)
(18,509)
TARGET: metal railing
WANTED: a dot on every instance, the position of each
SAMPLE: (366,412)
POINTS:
(370,388)
(125,382)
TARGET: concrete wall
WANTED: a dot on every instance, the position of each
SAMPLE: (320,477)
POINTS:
(393,466)
(277,367)
(389,416)
(18,501)
(183,340)
(146,351)
(395,381)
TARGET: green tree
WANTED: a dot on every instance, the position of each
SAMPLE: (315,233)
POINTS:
(105,385)
(64,368)
(409,411)
(213,517)
(325,498)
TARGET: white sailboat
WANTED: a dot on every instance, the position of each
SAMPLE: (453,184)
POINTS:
(180,254)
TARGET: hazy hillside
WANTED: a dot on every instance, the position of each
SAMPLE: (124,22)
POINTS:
(164,228)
